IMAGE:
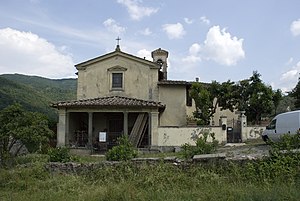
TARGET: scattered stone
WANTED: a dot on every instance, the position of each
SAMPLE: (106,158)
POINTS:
(205,157)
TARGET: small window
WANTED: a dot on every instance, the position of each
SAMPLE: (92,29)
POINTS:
(117,80)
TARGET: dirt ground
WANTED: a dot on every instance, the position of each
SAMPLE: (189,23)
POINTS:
(250,150)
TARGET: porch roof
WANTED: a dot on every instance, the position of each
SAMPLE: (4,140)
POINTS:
(111,101)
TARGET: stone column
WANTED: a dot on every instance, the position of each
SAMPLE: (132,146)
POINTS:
(90,130)
(243,120)
(125,125)
(154,128)
(61,128)
(67,129)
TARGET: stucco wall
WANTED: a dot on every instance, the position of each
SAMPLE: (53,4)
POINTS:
(140,81)
(177,136)
(175,99)
(254,132)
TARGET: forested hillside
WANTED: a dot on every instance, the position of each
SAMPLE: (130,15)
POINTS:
(35,93)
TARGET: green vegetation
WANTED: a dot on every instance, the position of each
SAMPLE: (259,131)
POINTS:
(59,154)
(275,178)
(124,151)
(202,145)
(35,93)
(268,179)
(250,95)
(19,127)
(295,93)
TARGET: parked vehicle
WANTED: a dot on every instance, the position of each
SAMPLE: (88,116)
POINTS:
(285,123)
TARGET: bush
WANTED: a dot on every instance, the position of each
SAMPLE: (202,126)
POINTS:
(59,154)
(122,152)
(202,146)
(287,142)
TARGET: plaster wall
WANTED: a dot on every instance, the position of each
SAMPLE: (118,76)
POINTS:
(175,99)
(177,136)
(139,80)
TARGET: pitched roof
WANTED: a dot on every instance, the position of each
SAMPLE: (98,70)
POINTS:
(117,52)
(173,82)
(107,102)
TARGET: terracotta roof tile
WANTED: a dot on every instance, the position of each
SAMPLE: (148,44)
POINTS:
(112,101)
(173,82)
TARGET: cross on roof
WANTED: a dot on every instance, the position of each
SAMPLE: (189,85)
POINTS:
(118,40)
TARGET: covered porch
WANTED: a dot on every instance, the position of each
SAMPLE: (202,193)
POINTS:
(95,124)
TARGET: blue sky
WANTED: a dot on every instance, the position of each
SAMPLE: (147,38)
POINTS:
(209,39)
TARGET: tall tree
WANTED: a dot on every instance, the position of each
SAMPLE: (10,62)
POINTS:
(277,97)
(204,102)
(296,94)
(208,97)
(254,97)
(18,125)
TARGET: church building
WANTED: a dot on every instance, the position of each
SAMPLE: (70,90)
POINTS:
(122,94)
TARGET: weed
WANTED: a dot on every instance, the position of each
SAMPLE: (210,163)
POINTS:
(123,151)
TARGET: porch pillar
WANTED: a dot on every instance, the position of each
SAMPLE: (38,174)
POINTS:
(90,130)
(154,128)
(125,124)
(243,120)
(223,124)
(61,128)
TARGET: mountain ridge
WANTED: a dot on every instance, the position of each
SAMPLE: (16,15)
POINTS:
(36,93)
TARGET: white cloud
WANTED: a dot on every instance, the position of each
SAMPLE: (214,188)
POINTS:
(27,53)
(205,20)
(289,79)
(220,47)
(289,75)
(113,26)
(188,21)
(193,56)
(143,53)
(146,32)
(136,11)
(174,31)
(295,27)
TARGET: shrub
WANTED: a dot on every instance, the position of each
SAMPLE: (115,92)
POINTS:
(202,146)
(123,151)
(59,154)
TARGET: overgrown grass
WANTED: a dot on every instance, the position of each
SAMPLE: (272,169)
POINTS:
(271,179)
(275,178)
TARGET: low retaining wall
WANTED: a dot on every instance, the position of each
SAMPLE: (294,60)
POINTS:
(78,168)
(177,136)
(255,132)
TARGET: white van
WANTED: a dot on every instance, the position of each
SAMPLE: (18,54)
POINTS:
(285,123)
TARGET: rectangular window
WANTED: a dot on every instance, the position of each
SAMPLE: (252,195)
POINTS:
(117,80)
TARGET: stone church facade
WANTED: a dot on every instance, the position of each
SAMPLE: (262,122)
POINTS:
(119,93)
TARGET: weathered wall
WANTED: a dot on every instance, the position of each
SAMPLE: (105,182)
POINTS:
(177,136)
(254,132)
(140,81)
(175,99)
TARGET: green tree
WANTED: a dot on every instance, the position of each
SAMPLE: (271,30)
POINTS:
(254,97)
(277,97)
(204,102)
(18,125)
(296,95)
(208,97)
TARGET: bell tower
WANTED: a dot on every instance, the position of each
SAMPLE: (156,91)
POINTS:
(160,57)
